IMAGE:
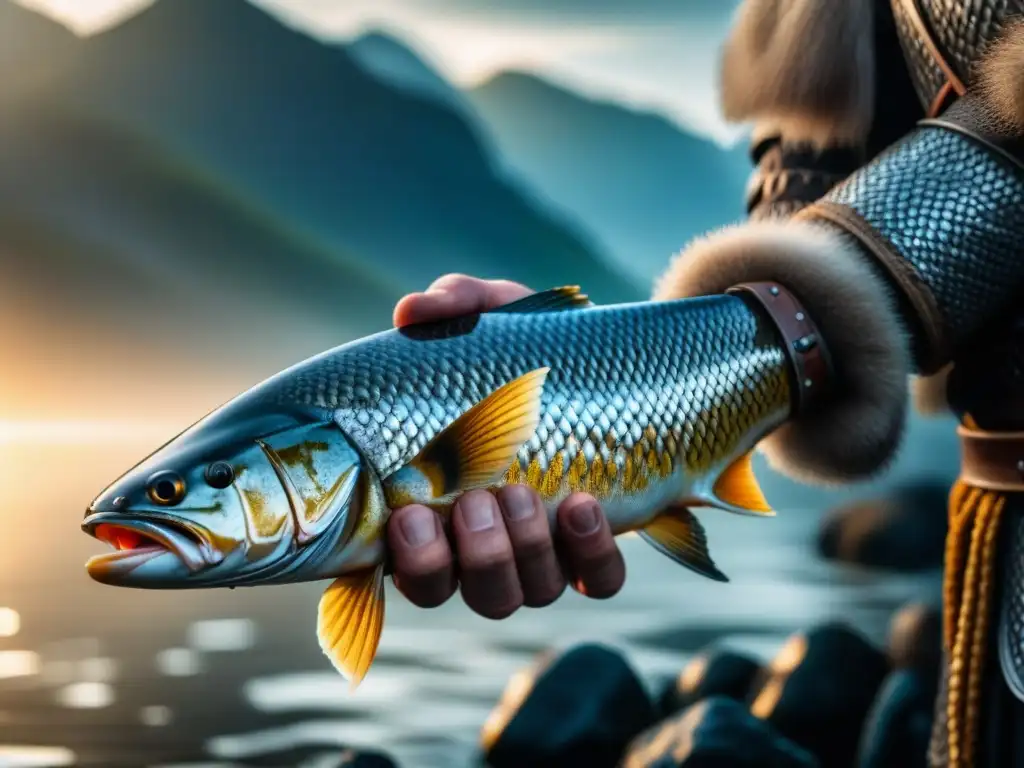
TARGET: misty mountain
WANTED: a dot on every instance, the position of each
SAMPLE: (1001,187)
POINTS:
(305,132)
(206,181)
(389,60)
(641,184)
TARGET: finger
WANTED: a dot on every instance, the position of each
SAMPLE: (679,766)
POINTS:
(455,295)
(422,559)
(487,569)
(540,575)
(594,561)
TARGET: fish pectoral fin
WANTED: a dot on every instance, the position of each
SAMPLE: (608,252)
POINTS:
(350,620)
(552,300)
(479,446)
(738,491)
(679,534)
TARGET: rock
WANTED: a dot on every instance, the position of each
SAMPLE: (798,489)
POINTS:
(905,531)
(818,690)
(899,725)
(714,672)
(915,639)
(581,708)
(716,733)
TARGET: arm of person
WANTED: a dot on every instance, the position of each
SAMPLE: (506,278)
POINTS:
(499,551)
(902,264)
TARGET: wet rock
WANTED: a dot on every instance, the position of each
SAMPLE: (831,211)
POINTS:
(716,733)
(915,639)
(900,722)
(818,690)
(905,531)
(581,708)
(713,672)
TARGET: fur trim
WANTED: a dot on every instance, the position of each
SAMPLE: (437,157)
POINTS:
(1000,77)
(858,429)
(804,67)
(929,392)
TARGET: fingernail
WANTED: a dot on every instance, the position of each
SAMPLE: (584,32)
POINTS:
(418,527)
(517,502)
(478,511)
(584,519)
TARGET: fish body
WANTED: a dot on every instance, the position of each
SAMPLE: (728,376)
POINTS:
(653,408)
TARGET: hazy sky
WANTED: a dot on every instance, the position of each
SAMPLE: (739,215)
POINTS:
(659,54)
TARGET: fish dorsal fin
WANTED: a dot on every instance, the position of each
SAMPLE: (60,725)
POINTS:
(552,300)
(678,534)
(350,620)
(476,449)
(737,490)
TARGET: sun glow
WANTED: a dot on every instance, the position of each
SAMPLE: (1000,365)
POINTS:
(77,431)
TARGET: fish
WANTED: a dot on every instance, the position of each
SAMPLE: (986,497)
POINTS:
(654,408)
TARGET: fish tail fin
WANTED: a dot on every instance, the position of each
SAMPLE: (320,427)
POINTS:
(678,534)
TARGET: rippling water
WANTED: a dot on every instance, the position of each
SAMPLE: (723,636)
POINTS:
(95,676)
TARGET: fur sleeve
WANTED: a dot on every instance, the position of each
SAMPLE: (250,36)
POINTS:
(858,428)
(802,68)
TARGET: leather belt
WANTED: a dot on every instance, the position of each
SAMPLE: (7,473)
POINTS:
(804,345)
(992,461)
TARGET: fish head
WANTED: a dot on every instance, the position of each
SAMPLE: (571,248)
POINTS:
(238,499)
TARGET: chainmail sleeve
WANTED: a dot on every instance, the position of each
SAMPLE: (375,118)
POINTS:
(942,212)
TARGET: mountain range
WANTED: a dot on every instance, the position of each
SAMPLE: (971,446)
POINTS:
(208,182)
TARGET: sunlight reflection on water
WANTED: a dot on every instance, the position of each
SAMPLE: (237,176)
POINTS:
(222,635)
(178,662)
(35,757)
(86,696)
(10,622)
(18,664)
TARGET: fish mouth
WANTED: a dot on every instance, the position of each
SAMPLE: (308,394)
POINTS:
(138,541)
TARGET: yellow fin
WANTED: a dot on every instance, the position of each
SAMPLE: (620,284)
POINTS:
(476,449)
(737,490)
(351,616)
(678,534)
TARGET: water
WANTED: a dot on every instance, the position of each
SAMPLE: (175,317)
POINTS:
(95,676)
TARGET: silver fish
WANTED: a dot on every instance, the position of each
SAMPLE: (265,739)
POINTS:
(653,407)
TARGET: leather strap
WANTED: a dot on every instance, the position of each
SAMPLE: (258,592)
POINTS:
(992,461)
(953,84)
(803,343)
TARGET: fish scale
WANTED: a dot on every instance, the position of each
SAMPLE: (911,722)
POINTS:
(633,391)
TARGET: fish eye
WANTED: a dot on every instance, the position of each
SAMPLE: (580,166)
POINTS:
(219,474)
(166,488)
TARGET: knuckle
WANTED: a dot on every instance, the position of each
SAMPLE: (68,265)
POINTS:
(483,553)
(426,564)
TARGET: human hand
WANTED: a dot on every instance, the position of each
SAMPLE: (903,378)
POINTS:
(501,551)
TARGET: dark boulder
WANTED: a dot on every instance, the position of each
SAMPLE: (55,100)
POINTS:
(915,639)
(714,672)
(818,690)
(581,708)
(904,531)
(899,725)
(716,733)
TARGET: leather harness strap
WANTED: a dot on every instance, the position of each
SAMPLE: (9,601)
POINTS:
(992,461)
(804,345)
(953,84)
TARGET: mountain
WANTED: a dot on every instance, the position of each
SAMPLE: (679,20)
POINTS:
(303,129)
(388,59)
(203,186)
(642,185)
